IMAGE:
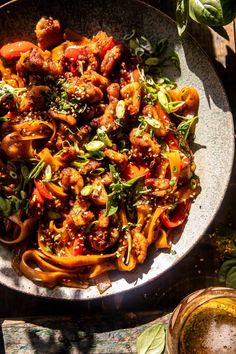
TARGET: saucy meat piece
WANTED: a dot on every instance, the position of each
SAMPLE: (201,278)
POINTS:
(111,59)
(48,32)
(131,94)
(144,143)
(72,179)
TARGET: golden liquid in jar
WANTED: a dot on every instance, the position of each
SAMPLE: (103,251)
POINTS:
(210,329)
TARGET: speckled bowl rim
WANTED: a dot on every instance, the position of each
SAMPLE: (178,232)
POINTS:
(157,265)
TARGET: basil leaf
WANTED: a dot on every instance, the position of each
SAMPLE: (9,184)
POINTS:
(212,12)
(231,278)
(112,204)
(152,340)
(225,268)
(186,125)
(131,182)
(182,15)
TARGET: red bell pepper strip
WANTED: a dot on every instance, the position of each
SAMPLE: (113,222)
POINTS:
(42,189)
(171,141)
(14,50)
(75,52)
(36,196)
(180,214)
(73,69)
(78,246)
(185,161)
(10,114)
(163,115)
(133,171)
(108,46)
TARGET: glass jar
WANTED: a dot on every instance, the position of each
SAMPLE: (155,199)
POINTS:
(204,323)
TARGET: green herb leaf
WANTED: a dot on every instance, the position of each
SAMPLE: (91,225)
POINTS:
(152,340)
(212,12)
(119,191)
(131,182)
(186,125)
(7,91)
(4,119)
(182,15)
(225,268)
(112,204)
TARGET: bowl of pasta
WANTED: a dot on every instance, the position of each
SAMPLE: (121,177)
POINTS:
(113,137)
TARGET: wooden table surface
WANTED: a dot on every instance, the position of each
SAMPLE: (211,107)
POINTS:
(55,326)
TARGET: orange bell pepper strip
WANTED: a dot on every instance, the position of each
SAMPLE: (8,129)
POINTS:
(42,189)
(56,190)
(132,171)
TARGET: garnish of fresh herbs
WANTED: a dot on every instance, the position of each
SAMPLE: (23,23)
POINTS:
(226,246)
(213,13)
(152,340)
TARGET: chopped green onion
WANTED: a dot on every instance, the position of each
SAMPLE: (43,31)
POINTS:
(163,100)
(13,174)
(24,171)
(94,145)
(127,37)
(102,135)
(193,184)
(87,190)
(145,44)
(153,122)
(133,43)
(48,173)
(36,170)
(120,109)
(98,171)
(152,61)
(79,164)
